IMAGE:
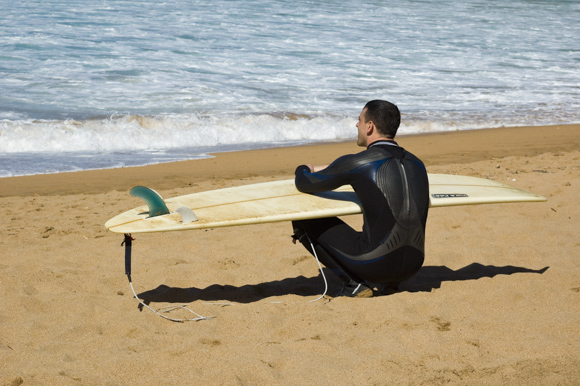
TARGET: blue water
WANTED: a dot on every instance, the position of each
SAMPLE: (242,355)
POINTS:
(106,83)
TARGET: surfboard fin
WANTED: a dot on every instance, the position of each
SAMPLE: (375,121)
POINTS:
(187,214)
(153,199)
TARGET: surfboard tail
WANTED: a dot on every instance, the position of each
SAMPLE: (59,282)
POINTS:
(158,207)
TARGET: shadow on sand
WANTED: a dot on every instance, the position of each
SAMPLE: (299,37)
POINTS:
(431,277)
(427,279)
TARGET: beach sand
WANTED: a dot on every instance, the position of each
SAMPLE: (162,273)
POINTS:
(497,301)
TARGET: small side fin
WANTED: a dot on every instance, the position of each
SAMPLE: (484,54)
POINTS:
(187,214)
(154,201)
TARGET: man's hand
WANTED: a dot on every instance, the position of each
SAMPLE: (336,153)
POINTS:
(314,169)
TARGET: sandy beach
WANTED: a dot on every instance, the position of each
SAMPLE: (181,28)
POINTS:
(497,301)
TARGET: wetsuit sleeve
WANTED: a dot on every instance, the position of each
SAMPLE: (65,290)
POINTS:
(333,177)
(302,178)
(302,169)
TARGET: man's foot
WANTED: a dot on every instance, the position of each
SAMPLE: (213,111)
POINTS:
(389,289)
(352,289)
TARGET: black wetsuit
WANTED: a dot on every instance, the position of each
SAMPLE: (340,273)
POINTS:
(393,189)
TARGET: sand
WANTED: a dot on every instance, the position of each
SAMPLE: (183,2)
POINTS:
(497,301)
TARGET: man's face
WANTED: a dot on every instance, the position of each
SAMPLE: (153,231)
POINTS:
(361,126)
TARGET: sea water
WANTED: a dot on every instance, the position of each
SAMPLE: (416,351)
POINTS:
(112,83)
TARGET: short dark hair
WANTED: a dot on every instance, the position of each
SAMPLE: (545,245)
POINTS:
(385,116)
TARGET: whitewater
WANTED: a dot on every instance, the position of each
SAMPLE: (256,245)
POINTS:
(110,84)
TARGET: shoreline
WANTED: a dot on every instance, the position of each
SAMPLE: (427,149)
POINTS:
(434,149)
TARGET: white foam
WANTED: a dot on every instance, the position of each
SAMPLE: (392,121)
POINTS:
(130,133)
(134,133)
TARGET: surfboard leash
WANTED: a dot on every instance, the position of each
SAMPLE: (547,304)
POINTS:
(321,271)
(128,242)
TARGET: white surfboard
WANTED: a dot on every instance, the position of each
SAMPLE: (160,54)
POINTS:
(280,201)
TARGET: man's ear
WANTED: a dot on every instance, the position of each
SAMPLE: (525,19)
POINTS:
(370,128)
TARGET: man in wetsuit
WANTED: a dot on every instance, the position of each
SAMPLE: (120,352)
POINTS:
(393,190)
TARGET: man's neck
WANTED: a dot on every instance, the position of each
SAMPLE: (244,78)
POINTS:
(380,139)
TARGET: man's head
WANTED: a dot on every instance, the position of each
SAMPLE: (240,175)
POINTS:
(378,119)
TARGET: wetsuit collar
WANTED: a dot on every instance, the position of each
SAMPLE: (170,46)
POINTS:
(383,142)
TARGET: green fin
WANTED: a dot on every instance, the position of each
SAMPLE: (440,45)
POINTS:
(154,201)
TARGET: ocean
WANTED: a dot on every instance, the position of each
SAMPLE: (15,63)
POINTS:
(107,84)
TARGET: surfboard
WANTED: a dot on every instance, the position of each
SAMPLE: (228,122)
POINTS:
(280,201)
